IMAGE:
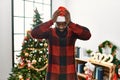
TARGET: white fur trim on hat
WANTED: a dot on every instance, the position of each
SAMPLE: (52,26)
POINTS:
(60,19)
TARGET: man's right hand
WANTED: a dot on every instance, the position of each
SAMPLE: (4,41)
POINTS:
(55,15)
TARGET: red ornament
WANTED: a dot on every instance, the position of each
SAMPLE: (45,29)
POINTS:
(28,79)
(62,10)
(21,64)
(22,58)
(87,77)
(26,38)
(115,77)
(29,64)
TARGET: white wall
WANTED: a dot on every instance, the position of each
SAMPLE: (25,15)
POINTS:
(57,3)
(5,39)
(100,16)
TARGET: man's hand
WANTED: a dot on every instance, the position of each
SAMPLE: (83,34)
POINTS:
(55,15)
(67,17)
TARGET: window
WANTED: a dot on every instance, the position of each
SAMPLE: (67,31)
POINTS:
(22,19)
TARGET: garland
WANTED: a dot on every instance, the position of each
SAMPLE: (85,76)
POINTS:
(40,69)
(113,52)
(107,43)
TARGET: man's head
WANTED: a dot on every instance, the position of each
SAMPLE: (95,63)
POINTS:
(61,21)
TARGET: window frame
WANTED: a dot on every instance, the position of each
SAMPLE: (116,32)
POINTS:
(13,33)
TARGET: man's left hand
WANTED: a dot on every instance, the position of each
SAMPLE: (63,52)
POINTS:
(67,17)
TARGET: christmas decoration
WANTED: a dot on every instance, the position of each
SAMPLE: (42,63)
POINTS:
(113,52)
(61,17)
(88,70)
(109,44)
(101,58)
(115,77)
(32,58)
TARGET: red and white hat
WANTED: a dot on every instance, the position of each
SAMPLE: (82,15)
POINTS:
(61,17)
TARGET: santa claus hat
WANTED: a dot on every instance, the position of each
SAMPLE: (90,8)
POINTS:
(61,17)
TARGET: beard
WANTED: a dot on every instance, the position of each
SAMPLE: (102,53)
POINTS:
(62,28)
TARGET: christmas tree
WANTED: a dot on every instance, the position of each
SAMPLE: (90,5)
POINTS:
(33,57)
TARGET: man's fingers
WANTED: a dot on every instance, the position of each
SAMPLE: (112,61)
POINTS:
(55,15)
(56,12)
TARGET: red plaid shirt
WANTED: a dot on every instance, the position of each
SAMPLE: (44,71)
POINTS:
(61,61)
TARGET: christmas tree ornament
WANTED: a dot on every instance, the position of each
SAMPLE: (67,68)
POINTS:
(26,38)
(44,56)
(21,64)
(34,61)
(43,40)
(20,77)
(35,40)
(41,52)
(41,44)
(30,39)
(45,44)
(29,65)
(26,54)
(22,58)
(28,79)
(45,50)
(39,59)
(24,42)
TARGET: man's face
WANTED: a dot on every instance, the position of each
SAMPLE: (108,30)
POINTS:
(61,25)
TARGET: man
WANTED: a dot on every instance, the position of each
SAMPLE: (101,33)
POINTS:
(61,61)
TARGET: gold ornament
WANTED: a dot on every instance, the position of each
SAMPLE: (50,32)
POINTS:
(34,61)
(45,44)
(20,77)
(26,54)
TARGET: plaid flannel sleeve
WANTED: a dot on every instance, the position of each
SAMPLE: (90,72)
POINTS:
(42,30)
(80,32)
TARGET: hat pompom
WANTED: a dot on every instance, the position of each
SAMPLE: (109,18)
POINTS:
(62,10)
